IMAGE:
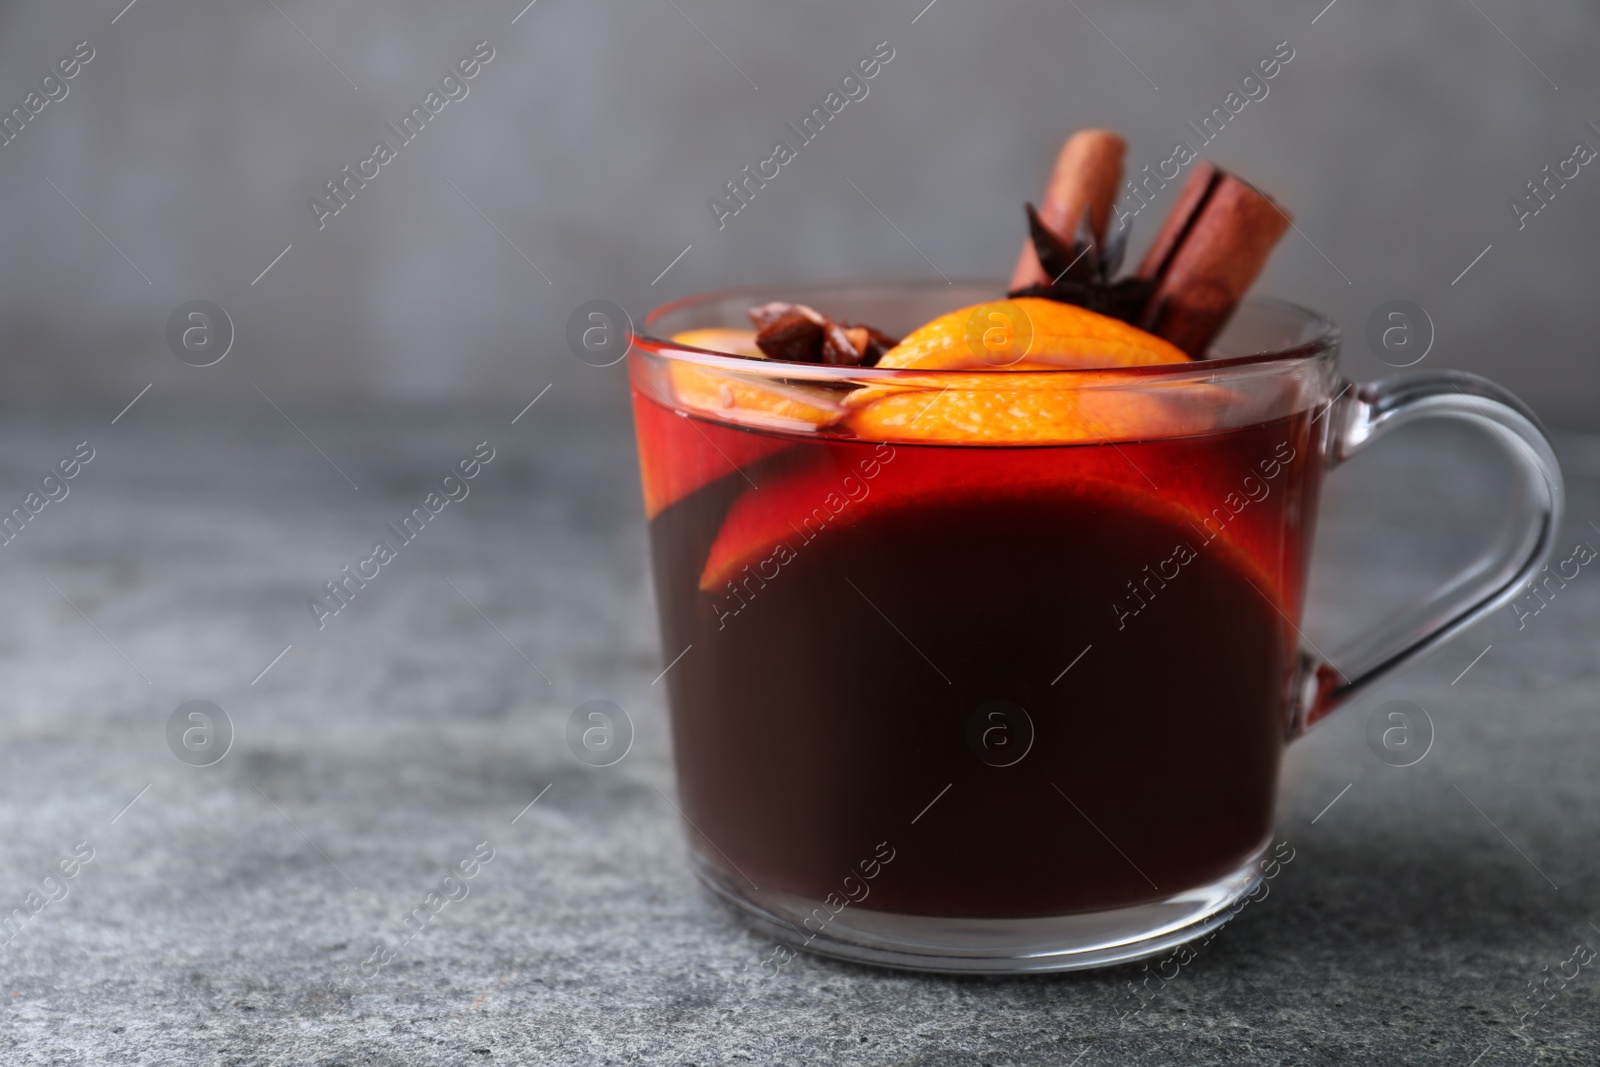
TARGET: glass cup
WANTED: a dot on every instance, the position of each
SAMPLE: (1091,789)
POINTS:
(997,677)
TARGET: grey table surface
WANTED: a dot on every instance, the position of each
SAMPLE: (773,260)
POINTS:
(226,907)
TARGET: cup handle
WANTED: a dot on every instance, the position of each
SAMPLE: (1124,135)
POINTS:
(1362,415)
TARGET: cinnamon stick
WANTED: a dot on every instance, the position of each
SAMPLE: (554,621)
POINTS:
(1176,225)
(1206,255)
(1086,175)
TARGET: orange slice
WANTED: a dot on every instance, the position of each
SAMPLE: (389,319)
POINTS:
(1025,334)
(1015,409)
(1003,334)
(749,399)
(722,339)
(678,453)
(806,498)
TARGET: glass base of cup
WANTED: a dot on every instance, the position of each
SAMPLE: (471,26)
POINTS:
(989,946)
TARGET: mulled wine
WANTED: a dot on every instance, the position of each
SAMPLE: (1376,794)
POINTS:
(1045,680)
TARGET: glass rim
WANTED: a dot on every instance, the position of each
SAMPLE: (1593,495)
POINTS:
(1325,339)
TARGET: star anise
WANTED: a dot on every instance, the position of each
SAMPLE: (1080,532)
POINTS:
(1081,272)
(799,334)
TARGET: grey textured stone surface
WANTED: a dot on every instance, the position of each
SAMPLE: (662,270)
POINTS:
(223,908)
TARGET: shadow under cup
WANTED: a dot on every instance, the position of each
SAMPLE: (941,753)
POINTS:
(988,706)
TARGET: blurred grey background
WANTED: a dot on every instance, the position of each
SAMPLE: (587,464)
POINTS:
(182,159)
